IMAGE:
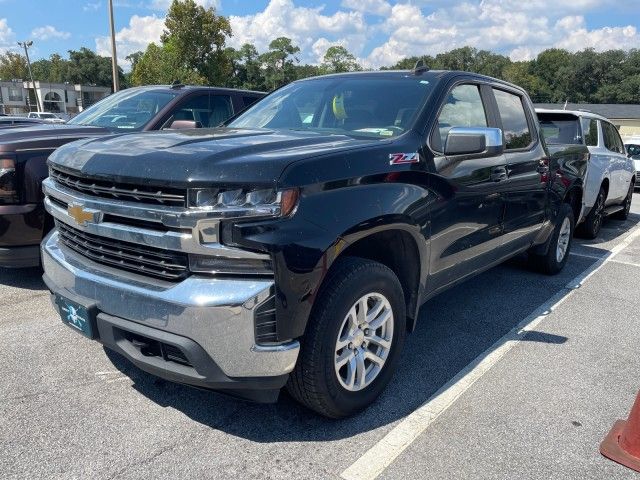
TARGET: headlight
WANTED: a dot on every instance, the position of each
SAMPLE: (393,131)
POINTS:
(8,193)
(267,202)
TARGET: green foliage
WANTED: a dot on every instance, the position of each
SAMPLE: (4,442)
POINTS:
(86,67)
(279,63)
(193,50)
(338,59)
(162,65)
(13,65)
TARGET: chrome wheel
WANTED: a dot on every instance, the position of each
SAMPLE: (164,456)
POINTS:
(563,240)
(599,210)
(364,342)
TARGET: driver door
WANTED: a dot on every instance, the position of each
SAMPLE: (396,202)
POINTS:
(467,223)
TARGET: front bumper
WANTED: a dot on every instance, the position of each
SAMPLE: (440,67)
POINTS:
(209,320)
(21,228)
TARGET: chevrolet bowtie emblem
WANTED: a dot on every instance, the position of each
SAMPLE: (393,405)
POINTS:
(82,215)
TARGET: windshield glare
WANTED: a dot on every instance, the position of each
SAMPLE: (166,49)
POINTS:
(125,110)
(356,106)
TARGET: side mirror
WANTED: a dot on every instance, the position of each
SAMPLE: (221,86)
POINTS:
(481,141)
(184,125)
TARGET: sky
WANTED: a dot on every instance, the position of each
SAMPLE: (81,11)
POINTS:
(377,32)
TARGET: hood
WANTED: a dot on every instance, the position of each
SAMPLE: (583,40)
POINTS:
(192,158)
(45,135)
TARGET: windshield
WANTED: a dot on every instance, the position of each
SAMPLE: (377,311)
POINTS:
(125,110)
(356,106)
(560,129)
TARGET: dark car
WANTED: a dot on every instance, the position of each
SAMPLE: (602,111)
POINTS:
(296,245)
(23,151)
(9,121)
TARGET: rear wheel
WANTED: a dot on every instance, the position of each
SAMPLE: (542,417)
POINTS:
(353,340)
(593,222)
(559,245)
(626,205)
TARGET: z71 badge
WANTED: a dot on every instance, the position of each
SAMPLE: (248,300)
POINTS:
(402,158)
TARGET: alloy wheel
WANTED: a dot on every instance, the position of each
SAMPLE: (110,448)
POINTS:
(364,342)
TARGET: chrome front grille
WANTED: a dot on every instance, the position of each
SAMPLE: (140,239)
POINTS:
(170,197)
(138,258)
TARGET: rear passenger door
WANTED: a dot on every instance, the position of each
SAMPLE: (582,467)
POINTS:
(526,196)
(620,166)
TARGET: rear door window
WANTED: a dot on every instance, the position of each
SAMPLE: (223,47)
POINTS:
(612,139)
(515,126)
(590,129)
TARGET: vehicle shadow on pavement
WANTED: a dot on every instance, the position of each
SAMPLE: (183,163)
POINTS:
(25,278)
(454,330)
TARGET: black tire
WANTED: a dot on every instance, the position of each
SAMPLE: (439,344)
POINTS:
(626,205)
(590,228)
(314,381)
(549,263)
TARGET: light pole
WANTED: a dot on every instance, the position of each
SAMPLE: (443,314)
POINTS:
(26,44)
(114,57)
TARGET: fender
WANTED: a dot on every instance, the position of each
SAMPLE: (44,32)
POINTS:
(326,224)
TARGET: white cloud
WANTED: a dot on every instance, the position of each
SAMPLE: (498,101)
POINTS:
(7,37)
(375,7)
(304,26)
(519,29)
(48,32)
(140,33)
(92,6)
(408,27)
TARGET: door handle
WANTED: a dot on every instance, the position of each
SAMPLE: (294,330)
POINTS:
(498,174)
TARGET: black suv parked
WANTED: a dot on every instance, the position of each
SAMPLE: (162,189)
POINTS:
(296,245)
(23,151)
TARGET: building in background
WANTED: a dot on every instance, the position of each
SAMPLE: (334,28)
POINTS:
(626,117)
(18,97)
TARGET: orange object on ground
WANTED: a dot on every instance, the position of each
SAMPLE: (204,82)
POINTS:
(622,445)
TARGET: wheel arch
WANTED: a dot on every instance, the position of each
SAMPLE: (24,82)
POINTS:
(398,248)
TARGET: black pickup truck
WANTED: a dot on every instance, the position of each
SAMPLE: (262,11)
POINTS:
(296,245)
(24,151)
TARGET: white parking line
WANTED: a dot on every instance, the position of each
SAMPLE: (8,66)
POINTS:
(374,461)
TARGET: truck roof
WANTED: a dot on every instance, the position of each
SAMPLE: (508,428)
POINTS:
(195,87)
(577,113)
(439,74)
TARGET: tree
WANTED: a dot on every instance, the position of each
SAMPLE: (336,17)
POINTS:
(88,68)
(54,70)
(338,59)
(279,62)
(134,58)
(13,65)
(197,37)
(161,65)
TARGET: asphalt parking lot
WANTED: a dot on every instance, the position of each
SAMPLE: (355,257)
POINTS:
(490,402)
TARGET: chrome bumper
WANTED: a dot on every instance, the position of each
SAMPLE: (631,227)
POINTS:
(215,313)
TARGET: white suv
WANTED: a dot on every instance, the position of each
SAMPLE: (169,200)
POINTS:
(610,175)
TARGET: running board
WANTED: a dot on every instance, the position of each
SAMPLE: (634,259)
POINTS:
(613,209)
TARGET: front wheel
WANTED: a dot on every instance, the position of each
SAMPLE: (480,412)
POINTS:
(559,245)
(353,340)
